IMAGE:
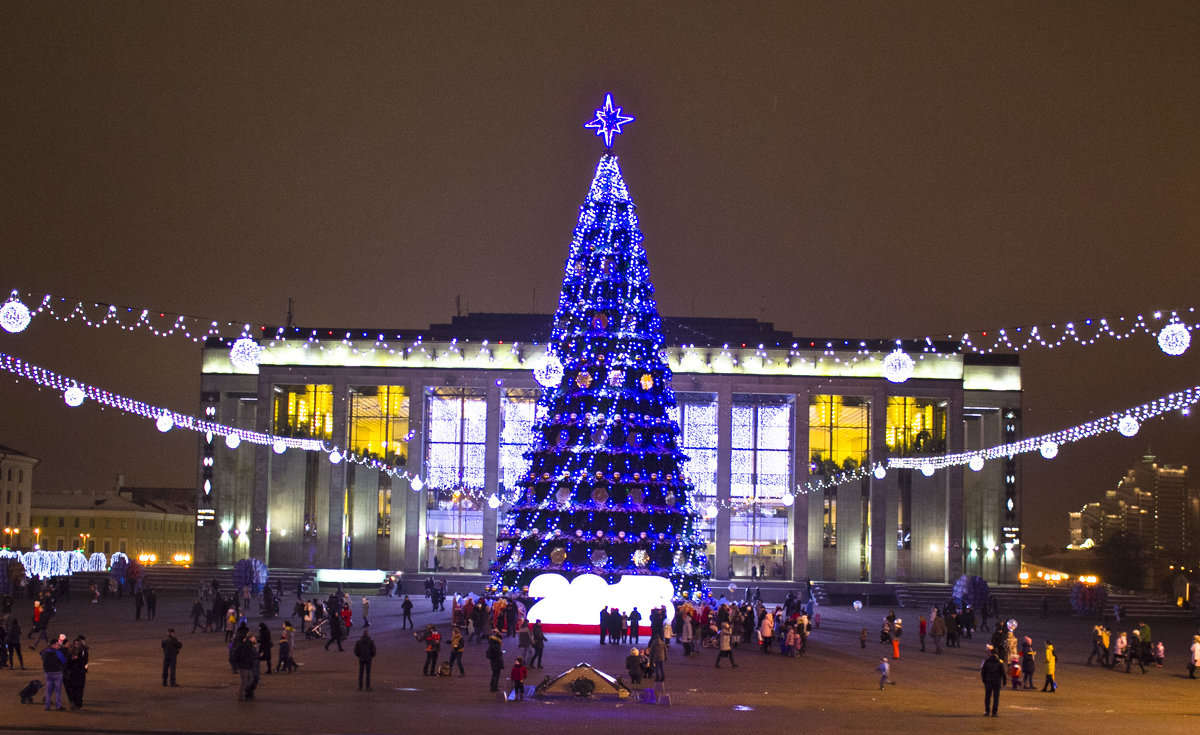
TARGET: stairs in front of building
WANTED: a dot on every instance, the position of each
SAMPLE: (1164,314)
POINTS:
(1011,601)
(173,580)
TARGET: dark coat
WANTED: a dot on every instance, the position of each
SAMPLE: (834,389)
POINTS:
(992,672)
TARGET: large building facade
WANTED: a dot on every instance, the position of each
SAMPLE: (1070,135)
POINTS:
(761,414)
(16,490)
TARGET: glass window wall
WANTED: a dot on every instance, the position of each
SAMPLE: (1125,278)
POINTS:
(761,458)
(455,451)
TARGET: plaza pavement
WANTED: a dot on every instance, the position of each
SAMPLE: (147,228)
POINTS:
(833,689)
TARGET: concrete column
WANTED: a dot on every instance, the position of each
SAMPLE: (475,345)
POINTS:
(724,469)
(335,521)
(413,503)
(955,513)
(798,520)
(259,501)
(491,473)
(882,535)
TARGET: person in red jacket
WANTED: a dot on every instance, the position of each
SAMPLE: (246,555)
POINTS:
(518,678)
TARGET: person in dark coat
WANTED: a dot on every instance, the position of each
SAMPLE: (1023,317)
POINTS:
(603,624)
(336,632)
(197,613)
(75,675)
(264,644)
(139,601)
(406,607)
(539,645)
(364,651)
(170,648)
(495,656)
(992,672)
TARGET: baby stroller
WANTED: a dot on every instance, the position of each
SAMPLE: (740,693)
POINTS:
(317,632)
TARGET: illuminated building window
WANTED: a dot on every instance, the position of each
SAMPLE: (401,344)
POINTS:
(379,429)
(455,451)
(761,456)
(696,414)
(303,411)
(915,426)
(839,440)
(518,410)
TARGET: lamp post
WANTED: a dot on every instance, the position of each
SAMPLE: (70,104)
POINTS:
(83,538)
(9,532)
(37,534)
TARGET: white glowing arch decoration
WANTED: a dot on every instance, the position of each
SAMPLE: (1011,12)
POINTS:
(577,601)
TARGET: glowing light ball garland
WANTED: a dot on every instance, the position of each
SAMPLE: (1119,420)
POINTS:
(898,366)
(245,354)
(605,493)
(1174,339)
(75,393)
(14,315)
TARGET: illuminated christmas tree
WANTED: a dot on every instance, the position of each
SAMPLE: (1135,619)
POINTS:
(605,492)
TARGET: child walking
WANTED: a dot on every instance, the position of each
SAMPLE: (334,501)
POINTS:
(518,679)
(885,670)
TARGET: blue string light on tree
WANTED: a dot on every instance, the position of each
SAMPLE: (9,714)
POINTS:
(605,471)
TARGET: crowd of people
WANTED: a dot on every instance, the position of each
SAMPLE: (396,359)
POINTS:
(1012,660)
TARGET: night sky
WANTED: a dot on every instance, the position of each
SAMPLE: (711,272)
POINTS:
(839,169)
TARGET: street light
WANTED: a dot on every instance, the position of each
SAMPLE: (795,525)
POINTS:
(83,537)
(37,544)
(10,532)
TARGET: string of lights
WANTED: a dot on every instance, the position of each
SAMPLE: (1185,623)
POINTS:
(1125,422)
(1171,329)
(75,393)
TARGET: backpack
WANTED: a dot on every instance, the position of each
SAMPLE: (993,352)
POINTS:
(444,669)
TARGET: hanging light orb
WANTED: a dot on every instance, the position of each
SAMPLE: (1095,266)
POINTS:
(1174,339)
(232,441)
(417,484)
(976,463)
(1049,450)
(335,457)
(74,396)
(1128,426)
(548,371)
(279,446)
(14,315)
(165,422)
(788,499)
(898,366)
(493,501)
(710,511)
(245,354)
(927,470)
(880,472)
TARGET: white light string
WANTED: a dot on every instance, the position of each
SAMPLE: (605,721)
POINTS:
(1124,422)
(1169,327)
(166,419)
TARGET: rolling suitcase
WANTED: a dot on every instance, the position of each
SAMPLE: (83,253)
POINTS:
(29,691)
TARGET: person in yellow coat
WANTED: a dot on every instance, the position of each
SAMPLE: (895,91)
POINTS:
(1050,685)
